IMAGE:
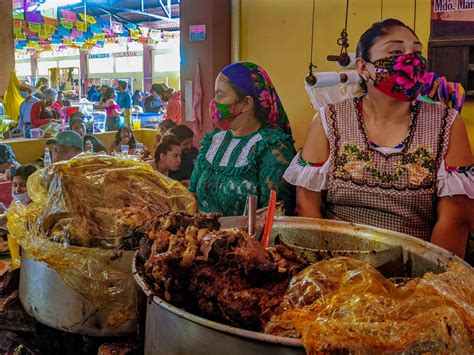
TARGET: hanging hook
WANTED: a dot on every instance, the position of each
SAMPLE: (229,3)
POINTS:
(310,78)
(343,58)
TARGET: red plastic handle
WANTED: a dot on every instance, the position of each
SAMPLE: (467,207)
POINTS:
(269,221)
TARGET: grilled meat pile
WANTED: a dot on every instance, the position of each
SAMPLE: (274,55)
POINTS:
(221,274)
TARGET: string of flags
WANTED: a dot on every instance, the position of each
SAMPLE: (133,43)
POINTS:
(51,29)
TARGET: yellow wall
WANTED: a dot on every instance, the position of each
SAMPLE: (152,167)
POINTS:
(276,34)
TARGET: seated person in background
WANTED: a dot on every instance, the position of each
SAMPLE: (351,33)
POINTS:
(62,101)
(67,145)
(8,163)
(163,129)
(153,103)
(77,125)
(19,180)
(184,135)
(124,136)
(46,110)
(167,156)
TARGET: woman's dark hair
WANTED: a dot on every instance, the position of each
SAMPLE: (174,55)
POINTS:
(369,37)
(132,143)
(24,171)
(258,110)
(109,93)
(167,143)
(166,124)
(137,92)
(182,132)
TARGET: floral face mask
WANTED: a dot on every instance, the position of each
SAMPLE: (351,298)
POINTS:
(223,115)
(401,77)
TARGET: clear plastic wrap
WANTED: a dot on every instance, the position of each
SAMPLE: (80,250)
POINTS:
(83,212)
(345,304)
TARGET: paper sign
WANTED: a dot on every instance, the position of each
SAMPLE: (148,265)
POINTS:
(144,31)
(134,34)
(42,34)
(19,24)
(69,15)
(87,18)
(197,33)
(56,39)
(50,12)
(95,28)
(51,21)
(18,32)
(76,33)
(116,27)
(155,34)
(66,24)
(34,27)
(49,29)
(63,31)
(18,15)
(99,36)
(33,17)
(81,26)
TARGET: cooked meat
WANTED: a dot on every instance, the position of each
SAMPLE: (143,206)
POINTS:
(224,275)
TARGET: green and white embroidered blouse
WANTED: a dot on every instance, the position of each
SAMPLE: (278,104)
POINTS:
(229,168)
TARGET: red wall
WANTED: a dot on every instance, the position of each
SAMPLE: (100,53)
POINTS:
(212,54)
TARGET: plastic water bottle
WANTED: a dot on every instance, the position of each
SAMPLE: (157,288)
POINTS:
(47,157)
(91,147)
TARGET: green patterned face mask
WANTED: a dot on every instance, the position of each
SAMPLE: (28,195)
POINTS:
(223,115)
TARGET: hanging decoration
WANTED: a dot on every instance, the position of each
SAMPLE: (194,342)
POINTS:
(51,29)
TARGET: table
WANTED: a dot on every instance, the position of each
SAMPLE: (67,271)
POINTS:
(27,151)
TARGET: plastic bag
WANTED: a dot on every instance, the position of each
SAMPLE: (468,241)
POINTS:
(345,304)
(85,209)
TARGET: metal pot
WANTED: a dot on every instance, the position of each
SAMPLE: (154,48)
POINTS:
(170,330)
(48,299)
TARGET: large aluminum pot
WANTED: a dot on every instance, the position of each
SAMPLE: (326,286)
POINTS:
(170,330)
(48,299)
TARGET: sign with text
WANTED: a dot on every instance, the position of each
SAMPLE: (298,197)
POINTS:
(452,18)
(197,32)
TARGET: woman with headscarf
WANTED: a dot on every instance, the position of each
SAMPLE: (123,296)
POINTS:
(47,110)
(250,148)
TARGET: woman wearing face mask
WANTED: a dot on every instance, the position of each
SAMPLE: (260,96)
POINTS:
(251,148)
(47,110)
(387,159)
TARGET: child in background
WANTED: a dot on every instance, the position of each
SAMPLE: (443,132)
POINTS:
(184,135)
(8,163)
